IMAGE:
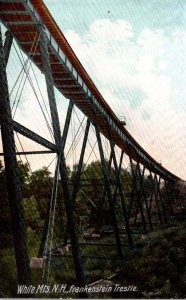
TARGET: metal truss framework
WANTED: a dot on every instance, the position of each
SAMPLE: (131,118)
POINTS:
(139,204)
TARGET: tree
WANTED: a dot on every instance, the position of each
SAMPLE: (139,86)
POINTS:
(40,184)
(92,200)
(24,177)
(31,213)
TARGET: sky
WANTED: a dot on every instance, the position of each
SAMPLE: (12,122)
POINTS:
(135,52)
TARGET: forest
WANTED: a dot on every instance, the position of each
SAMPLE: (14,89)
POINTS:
(37,188)
(157,266)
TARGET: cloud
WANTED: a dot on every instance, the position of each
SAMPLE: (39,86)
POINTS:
(140,76)
(102,30)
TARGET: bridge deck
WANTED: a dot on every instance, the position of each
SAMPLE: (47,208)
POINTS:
(26,19)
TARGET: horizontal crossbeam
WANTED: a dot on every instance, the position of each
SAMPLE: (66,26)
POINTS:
(13,12)
(12,1)
(32,152)
(60,78)
(57,63)
(67,86)
(88,256)
(19,23)
(74,93)
(27,42)
(34,136)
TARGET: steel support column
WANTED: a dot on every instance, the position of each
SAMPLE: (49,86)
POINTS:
(50,210)
(146,204)
(7,45)
(80,164)
(156,198)
(109,194)
(138,194)
(67,124)
(167,203)
(62,164)
(121,196)
(133,187)
(12,177)
(76,181)
(141,174)
(119,170)
(171,192)
(100,209)
(169,197)
(152,191)
(160,197)
(139,198)
(64,137)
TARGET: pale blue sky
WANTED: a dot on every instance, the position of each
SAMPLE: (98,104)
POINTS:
(80,14)
(135,52)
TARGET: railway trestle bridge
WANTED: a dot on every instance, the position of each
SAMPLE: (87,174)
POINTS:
(30,26)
